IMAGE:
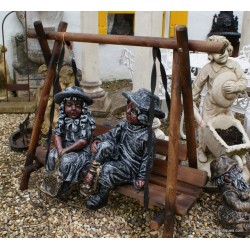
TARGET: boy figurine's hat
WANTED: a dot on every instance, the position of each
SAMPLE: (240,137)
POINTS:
(142,98)
(73,92)
(221,166)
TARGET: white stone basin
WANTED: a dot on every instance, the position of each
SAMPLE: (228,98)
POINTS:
(217,145)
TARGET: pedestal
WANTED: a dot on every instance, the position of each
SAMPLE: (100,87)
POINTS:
(102,102)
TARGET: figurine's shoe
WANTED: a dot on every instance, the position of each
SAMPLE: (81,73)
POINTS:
(201,156)
(99,200)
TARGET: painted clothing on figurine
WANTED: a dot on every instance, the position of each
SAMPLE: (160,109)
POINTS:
(123,153)
(72,163)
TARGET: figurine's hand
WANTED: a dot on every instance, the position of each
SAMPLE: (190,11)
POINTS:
(93,146)
(62,152)
(88,178)
(139,183)
(230,87)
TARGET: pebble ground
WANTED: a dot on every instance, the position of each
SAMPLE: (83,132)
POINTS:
(32,214)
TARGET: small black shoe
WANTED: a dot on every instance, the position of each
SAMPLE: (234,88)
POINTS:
(98,200)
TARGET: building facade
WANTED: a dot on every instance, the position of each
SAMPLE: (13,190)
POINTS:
(199,24)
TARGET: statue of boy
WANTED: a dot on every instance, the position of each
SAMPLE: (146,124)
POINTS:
(122,151)
(72,135)
(224,79)
(234,213)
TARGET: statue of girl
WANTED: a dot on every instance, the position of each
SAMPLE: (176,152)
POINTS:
(72,134)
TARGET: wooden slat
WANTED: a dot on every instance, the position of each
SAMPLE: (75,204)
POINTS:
(184,202)
(16,87)
(100,129)
(192,176)
(181,186)
(186,174)
(162,149)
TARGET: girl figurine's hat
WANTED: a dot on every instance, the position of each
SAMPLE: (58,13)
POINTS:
(73,92)
(141,100)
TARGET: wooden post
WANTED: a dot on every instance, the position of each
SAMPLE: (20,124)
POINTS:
(186,89)
(41,36)
(173,149)
(49,79)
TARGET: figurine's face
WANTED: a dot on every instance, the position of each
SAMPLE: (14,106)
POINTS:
(72,108)
(235,173)
(221,58)
(132,114)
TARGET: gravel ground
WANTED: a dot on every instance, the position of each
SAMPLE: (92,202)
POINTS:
(31,214)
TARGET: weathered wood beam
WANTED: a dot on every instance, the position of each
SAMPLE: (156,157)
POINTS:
(41,36)
(48,81)
(186,89)
(156,42)
(173,149)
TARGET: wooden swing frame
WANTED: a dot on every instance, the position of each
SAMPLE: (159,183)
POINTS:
(181,87)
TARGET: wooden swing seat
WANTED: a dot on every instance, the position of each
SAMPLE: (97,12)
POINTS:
(190,181)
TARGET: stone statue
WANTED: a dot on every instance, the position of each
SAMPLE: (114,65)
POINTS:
(66,79)
(72,134)
(224,79)
(4,70)
(234,213)
(122,151)
(66,76)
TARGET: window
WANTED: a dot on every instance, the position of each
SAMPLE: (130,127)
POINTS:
(116,22)
(122,22)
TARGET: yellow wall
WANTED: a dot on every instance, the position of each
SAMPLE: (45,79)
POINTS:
(177,18)
(102,22)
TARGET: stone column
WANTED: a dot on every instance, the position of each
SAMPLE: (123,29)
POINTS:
(245,31)
(147,23)
(91,83)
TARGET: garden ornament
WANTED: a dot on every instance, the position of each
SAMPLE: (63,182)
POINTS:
(122,151)
(234,212)
(224,79)
(70,157)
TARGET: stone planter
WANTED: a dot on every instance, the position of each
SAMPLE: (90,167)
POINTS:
(217,145)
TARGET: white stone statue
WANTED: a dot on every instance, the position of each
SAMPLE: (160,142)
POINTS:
(4,71)
(224,79)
